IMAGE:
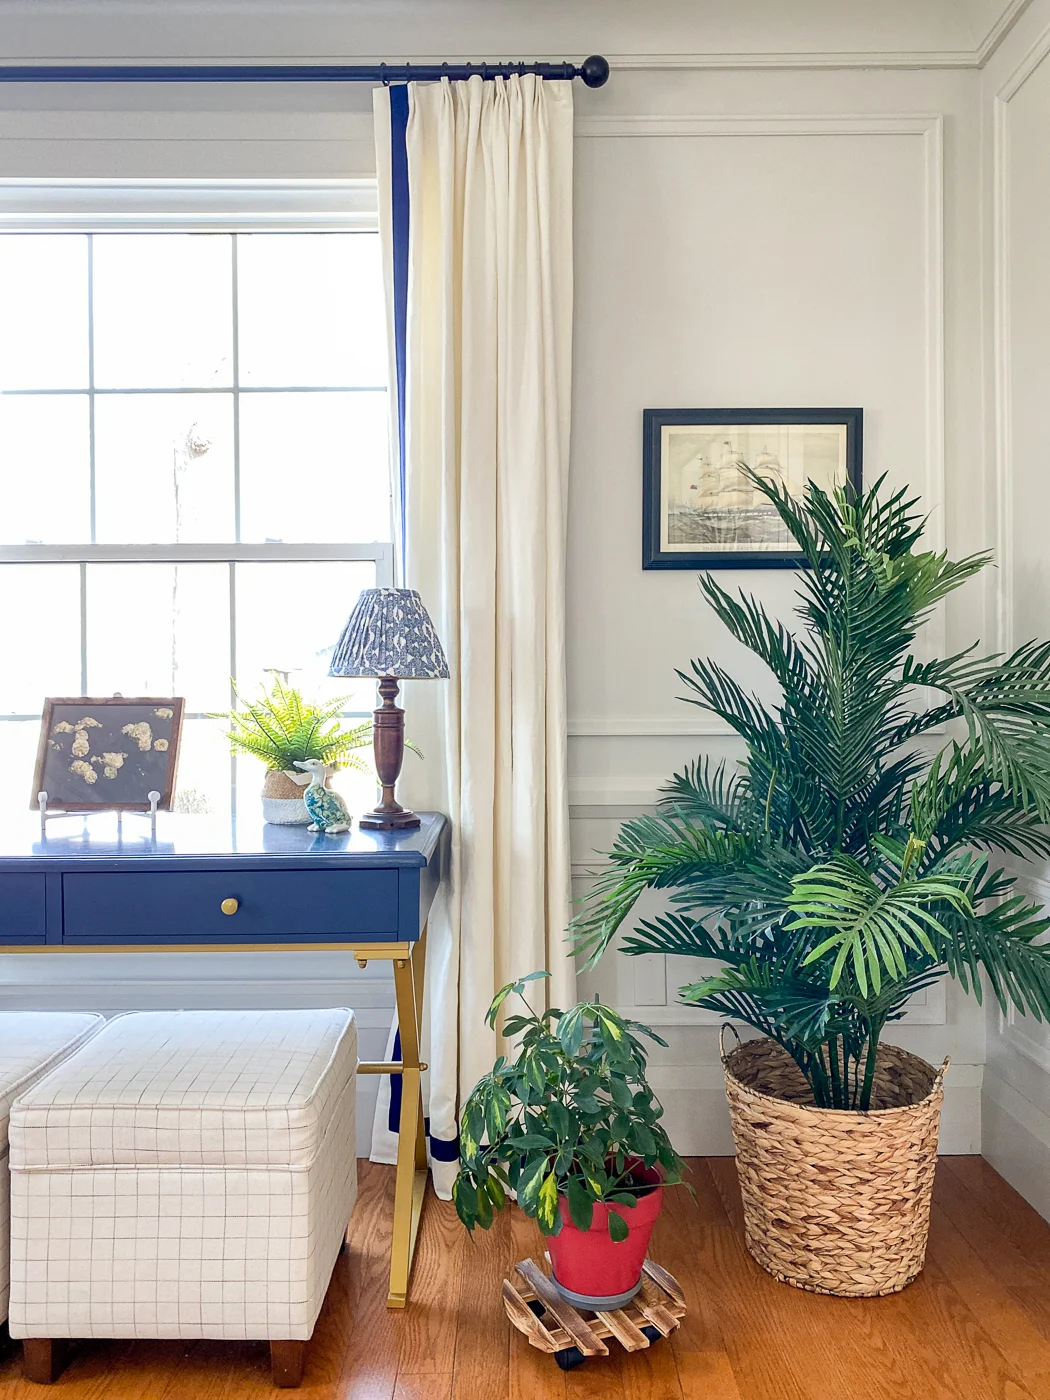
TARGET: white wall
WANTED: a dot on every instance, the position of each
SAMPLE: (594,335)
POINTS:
(1016,119)
(753,239)
(746,235)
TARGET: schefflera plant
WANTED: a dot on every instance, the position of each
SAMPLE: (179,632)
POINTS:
(570,1114)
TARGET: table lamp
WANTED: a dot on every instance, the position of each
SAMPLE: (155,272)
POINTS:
(389,635)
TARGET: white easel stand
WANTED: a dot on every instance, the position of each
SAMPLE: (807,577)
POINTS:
(154,799)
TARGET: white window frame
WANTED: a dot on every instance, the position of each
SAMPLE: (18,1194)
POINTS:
(188,206)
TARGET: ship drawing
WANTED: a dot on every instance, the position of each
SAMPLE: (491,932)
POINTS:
(715,503)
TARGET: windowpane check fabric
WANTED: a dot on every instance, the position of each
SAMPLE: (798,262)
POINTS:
(188,1174)
(31,1043)
(204,1088)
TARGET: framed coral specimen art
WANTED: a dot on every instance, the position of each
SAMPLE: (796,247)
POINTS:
(104,755)
(701,510)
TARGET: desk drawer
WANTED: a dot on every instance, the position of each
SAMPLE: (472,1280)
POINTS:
(273,906)
(21,909)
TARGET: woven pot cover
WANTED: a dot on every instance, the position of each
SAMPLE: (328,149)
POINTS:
(835,1202)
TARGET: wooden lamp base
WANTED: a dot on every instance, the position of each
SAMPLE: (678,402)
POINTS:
(382,819)
(388,744)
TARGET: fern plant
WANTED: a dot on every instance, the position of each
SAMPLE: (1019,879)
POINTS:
(845,864)
(280,728)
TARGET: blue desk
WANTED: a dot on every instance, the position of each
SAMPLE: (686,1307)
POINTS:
(96,883)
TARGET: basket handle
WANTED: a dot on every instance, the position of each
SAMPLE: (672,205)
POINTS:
(939,1081)
(727,1026)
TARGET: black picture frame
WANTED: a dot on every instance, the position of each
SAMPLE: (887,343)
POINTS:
(83,737)
(655,553)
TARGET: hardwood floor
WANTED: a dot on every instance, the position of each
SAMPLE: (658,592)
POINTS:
(975,1326)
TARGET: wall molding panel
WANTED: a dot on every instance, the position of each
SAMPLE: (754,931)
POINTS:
(647,726)
(999,30)
(922,124)
(1001,330)
(924,127)
(628,790)
(1026,1036)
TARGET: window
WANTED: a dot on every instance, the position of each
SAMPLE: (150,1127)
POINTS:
(193,469)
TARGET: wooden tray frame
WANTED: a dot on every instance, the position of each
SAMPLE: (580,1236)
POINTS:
(659,1304)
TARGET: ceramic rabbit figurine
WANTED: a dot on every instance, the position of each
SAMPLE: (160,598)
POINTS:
(327,808)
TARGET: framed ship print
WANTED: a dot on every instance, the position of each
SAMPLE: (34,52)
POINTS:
(100,755)
(700,511)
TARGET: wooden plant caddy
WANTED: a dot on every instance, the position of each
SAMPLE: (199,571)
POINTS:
(553,1325)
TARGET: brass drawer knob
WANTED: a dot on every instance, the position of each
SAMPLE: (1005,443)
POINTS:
(230,906)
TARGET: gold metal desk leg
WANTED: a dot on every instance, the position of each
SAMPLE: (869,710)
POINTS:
(411,1179)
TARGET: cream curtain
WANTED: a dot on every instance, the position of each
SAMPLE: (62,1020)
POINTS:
(482,488)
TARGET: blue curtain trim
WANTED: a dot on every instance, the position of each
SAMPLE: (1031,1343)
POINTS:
(393,1118)
(399,220)
(441,1149)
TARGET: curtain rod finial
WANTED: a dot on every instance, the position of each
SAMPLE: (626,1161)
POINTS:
(595,71)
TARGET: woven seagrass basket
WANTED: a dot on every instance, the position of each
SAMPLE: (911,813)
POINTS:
(835,1202)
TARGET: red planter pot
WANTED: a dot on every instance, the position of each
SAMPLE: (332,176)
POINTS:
(591,1270)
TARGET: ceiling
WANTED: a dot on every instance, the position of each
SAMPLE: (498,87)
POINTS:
(640,33)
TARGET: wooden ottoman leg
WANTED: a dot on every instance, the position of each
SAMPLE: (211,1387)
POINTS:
(43,1359)
(286,1363)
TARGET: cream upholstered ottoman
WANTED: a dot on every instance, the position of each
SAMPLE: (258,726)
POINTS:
(31,1043)
(186,1174)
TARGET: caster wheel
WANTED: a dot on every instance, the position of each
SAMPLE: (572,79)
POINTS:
(569,1358)
(653,1333)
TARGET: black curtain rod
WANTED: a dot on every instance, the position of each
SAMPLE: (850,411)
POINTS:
(594,71)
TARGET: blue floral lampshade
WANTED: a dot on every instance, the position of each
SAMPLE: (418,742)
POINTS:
(389,633)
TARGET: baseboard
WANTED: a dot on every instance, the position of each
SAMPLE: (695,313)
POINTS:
(1016,1141)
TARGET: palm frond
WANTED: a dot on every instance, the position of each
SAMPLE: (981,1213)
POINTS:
(703,793)
(1006,939)
(872,925)
(842,866)
(651,853)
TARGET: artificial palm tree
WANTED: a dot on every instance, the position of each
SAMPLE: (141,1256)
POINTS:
(844,865)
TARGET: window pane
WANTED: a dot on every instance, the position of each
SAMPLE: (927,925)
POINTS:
(314,467)
(310,309)
(39,635)
(43,311)
(160,629)
(164,468)
(202,783)
(44,469)
(18,747)
(163,317)
(289,618)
